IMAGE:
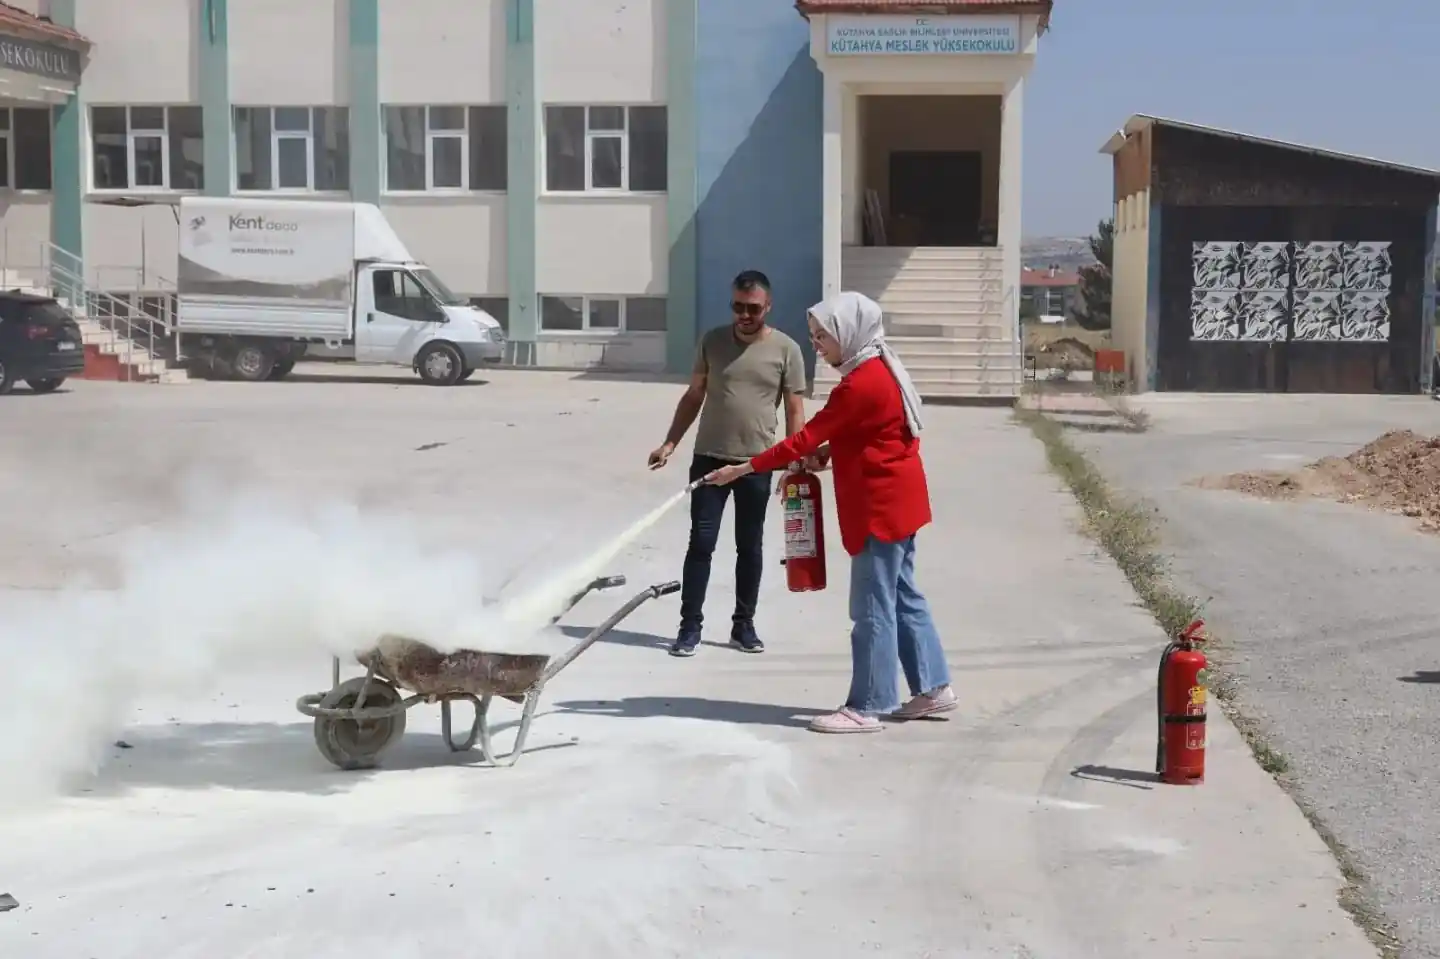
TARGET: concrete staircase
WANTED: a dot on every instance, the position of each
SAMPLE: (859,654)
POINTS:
(945,317)
(121,341)
(111,355)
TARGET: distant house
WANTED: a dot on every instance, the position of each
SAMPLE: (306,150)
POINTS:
(1048,293)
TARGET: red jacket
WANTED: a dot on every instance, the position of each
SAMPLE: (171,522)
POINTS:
(880,485)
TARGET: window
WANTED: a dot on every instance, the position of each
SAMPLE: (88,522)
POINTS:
(445,148)
(24,148)
(296,149)
(497,306)
(147,148)
(399,293)
(602,314)
(645,314)
(606,149)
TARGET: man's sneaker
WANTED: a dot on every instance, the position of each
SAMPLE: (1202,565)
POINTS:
(743,638)
(685,643)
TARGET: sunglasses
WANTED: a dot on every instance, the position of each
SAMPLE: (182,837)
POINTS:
(747,309)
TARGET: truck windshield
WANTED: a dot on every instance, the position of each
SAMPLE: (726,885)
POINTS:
(438,289)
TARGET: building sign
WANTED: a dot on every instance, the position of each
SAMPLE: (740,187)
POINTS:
(40,59)
(922,36)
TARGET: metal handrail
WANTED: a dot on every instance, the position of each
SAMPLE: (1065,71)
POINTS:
(132,324)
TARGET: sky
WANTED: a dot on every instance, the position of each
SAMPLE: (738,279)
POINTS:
(1350,75)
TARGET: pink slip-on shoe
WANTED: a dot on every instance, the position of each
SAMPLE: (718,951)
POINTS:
(942,700)
(846,720)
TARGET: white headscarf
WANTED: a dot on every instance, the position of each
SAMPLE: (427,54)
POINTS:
(858,325)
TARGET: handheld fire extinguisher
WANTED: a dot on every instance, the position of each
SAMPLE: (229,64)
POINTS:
(804,512)
(1183,688)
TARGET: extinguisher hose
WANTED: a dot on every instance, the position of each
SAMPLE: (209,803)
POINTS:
(1160,708)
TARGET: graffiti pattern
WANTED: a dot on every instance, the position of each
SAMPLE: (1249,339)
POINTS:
(1325,291)
(1365,316)
(1342,292)
(1265,266)
(1240,291)
(1317,315)
(1263,314)
(1217,266)
(1215,314)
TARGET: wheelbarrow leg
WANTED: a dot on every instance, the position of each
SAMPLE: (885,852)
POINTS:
(487,740)
(447,728)
(532,700)
(482,721)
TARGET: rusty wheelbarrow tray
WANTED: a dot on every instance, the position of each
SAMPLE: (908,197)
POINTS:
(359,718)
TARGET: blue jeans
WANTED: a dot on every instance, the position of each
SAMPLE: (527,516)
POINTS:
(893,627)
(707,506)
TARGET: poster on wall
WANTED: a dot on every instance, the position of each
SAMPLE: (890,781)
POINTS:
(1328,291)
(1342,292)
(1240,292)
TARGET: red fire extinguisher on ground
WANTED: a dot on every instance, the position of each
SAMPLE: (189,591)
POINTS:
(1181,698)
(804,512)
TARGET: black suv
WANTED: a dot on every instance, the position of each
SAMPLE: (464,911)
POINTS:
(39,342)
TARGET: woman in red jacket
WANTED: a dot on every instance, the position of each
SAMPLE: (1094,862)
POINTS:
(872,425)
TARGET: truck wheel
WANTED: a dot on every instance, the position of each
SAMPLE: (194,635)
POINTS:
(440,364)
(252,363)
(49,385)
(281,370)
(7,382)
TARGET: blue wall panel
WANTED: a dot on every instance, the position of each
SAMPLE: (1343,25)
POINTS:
(758,115)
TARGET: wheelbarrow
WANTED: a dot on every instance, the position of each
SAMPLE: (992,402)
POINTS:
(359,718)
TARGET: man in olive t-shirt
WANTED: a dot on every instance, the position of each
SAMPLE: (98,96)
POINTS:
(743,372)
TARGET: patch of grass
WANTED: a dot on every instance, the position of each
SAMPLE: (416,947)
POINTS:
(1125,530)
(1129,533)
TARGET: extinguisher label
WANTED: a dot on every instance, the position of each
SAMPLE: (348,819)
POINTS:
(800,529)
(1195,732)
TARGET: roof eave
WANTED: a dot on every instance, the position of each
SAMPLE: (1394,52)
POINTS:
(1040,8)
(31,27)
(1143,121)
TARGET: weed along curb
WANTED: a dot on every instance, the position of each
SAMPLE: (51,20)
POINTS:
(1128,532)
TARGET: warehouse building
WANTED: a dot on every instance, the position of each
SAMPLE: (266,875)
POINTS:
(1249,264)
(591,174)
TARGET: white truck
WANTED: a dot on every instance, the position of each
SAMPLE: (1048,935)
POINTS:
(261,281)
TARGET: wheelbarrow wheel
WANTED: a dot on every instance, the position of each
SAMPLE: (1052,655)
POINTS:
(353,744)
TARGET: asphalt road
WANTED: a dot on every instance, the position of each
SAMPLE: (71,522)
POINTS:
(1333,611)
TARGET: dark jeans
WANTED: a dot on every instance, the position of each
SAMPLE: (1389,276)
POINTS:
(707,506)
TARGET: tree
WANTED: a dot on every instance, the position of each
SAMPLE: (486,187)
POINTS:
(1093,310)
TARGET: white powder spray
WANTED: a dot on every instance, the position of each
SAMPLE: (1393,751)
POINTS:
(531,611)
(237,584)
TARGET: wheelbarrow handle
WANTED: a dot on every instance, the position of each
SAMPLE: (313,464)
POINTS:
(602,582)
(634,603)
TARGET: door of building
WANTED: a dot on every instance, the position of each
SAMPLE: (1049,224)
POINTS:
(935,197)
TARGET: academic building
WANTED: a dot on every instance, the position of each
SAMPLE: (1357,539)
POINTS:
(591,174)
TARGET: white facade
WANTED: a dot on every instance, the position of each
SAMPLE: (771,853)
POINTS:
(849,76)
(612,243)
(600,257)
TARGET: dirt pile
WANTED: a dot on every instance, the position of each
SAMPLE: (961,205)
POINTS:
(1400,471)
(1063,353)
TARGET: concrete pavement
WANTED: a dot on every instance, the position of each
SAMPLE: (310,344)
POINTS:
(665,807)
(1331,609)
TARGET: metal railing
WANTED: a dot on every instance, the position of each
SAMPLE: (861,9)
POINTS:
(142,323)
